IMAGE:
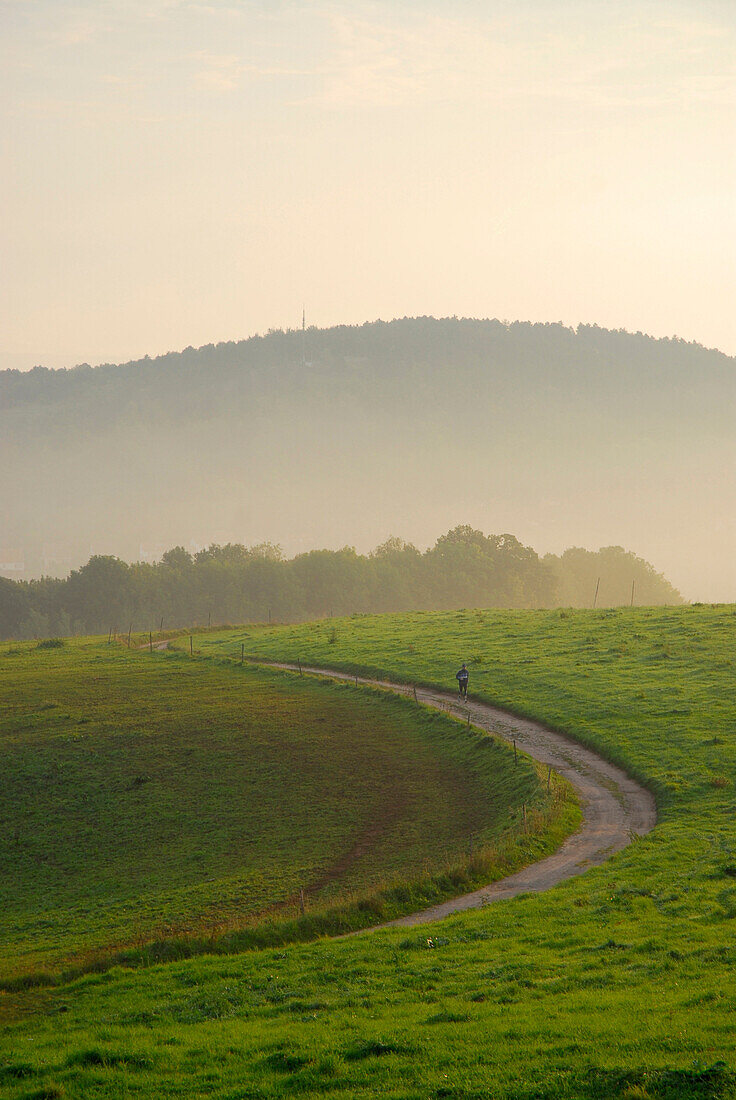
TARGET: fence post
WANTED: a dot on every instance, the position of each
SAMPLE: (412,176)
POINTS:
(242,652)
(129,632)
(523,814)
(302,906)
(515,760)
(299,662)
(150,641)
(191,646)
(415,694)
(549,776)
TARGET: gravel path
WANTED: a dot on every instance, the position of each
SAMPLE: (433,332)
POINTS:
(615,807)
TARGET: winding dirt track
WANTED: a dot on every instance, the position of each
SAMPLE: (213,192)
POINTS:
(615,807)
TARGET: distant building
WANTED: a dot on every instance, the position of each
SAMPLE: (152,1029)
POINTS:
(56,561)
(12,563)
(153,553)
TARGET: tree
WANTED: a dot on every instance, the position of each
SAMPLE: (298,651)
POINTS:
(579,572)
(100,593)
(177,558)
(15,606)
(395,547)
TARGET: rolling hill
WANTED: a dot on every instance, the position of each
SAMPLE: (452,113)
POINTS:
(582,437)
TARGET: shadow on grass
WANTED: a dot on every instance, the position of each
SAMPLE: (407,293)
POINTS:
(386,904)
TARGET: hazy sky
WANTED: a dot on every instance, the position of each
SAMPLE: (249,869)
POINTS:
(179,172)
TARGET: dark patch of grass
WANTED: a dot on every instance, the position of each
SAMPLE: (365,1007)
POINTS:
(33,980)
(109,1058)
(16,1071)
(714,1082)
(447,1017)
(373,1048)
(282,1061)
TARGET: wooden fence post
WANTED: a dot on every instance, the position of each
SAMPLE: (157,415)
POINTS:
(302,906)
(299,662)
(515,760)
(191,646)
(150,641)
(242,652)
(549,776)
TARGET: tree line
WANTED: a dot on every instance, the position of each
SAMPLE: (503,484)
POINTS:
(235,583)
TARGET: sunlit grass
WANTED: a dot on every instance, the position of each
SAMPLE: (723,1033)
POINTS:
(619,983)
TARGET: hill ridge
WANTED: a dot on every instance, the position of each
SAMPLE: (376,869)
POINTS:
(567,437)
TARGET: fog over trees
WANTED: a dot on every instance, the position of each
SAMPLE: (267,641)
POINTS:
(566,437)
(234,583)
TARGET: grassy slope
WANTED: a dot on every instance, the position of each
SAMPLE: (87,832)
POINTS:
(618,680)
(619,983)
(148,796)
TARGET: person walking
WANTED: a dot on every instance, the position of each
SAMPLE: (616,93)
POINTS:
(462,678)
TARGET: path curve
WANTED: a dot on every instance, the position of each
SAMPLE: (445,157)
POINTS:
(615,807)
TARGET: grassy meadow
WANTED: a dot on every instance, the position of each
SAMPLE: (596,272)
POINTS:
(154,798)
(619,983)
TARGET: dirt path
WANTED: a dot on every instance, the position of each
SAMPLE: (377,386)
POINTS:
(615,807)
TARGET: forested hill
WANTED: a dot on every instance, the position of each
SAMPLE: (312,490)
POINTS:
(567,436)
(216,373)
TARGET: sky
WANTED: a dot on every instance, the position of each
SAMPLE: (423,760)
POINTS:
(177,173)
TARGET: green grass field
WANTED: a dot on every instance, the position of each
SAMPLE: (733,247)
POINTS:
(619,983)
(149,797)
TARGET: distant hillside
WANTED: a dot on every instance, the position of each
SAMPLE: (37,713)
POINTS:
(584,437)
